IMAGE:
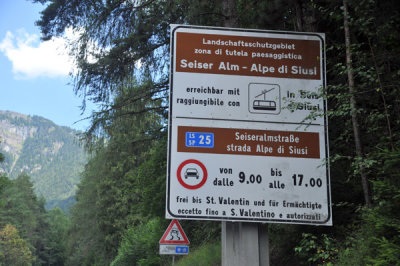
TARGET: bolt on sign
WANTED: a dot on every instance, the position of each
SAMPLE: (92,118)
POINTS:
(247,127)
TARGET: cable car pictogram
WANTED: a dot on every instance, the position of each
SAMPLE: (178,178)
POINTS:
(264,104)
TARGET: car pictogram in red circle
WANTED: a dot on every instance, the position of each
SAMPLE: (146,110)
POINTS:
(193,173)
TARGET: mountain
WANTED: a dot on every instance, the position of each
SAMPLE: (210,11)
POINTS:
(51,155)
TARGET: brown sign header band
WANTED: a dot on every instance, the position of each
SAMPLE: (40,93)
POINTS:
(248,56)
(255,142)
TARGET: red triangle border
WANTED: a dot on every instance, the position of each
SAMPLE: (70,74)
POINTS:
(163,239)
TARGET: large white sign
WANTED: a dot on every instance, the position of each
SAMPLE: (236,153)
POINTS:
(247,131)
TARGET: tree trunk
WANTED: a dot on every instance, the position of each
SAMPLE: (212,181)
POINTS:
(385,107)
(299,15)
(353,106)
(230,14)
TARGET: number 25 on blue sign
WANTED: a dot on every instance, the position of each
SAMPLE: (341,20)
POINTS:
(199,140)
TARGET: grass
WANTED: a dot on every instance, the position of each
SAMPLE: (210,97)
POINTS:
(208,255)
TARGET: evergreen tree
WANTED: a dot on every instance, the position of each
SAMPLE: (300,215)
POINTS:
(41,233)
(13,249)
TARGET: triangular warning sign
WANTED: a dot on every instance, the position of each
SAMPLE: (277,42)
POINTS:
(174,234)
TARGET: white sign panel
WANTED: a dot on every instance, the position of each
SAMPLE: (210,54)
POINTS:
(174,249)
(247,131)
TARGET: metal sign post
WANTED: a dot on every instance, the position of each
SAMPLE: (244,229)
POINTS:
(244,244)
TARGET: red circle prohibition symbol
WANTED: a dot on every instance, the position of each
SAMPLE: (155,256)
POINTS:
(179,175)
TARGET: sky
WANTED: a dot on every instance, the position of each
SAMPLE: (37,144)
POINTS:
(34,75)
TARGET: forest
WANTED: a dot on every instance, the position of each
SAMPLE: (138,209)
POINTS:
(123,57)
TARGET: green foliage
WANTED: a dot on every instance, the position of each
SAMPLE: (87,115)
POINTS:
(139,245)
(13,249)
(21,207)
(376,240)
(86,242)
(4,182)
(317,249)
(136,30)
(372,243)
(283,239)
(387,252)
(121,182)
(207,254)
(57,234)
(150,178)
(43,234)
(63,204)
(202,232)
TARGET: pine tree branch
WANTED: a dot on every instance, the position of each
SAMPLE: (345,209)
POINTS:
(382,95)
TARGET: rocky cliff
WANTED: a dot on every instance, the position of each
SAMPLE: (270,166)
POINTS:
(51,155)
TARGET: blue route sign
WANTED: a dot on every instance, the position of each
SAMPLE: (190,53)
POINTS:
(182,250)
(199,140)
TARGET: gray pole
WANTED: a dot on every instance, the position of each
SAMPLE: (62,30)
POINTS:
(244,244)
